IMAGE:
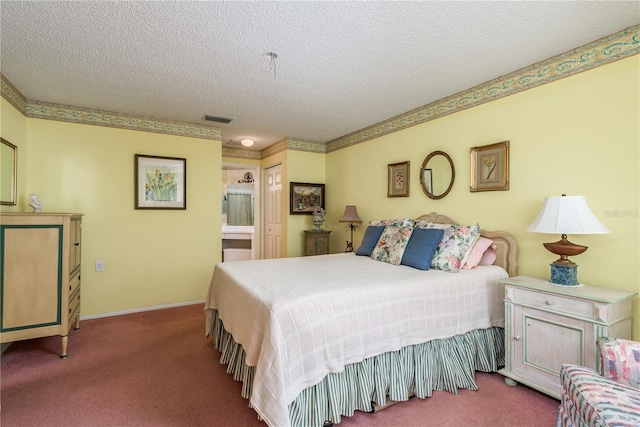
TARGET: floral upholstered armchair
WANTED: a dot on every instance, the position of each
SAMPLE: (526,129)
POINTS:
(608,399)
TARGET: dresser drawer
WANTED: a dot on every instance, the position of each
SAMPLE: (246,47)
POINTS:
(74,283)
(74,304)
(556,303)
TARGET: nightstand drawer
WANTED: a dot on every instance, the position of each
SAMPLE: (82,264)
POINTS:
(556,303)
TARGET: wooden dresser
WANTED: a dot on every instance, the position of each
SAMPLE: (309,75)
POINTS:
(40,275)
(316,242)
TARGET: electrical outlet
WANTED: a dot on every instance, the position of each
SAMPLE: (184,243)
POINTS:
(99,266)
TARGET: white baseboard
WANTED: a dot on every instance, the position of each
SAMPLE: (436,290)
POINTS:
(139,310)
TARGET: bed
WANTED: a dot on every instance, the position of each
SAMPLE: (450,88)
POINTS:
(317,338)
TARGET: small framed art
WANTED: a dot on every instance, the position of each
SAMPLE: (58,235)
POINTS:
(490,167)
(160,182)
(304,198)
(398,177)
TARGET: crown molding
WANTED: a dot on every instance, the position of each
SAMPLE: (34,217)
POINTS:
(600,52)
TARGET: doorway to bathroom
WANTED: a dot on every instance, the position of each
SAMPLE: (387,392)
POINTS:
(240,212)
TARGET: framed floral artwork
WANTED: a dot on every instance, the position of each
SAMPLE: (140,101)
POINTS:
(490,167)
(398,180)
(160,182)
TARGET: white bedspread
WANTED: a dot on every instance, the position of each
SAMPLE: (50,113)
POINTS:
(299,319)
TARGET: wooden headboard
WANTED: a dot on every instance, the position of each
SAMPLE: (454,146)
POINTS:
(506,246)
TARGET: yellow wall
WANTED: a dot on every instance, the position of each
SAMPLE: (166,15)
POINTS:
(310,168)
(13,128)
(579,136)
(297,166)
(151,257)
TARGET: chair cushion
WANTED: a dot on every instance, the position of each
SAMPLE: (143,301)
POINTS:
(597,401)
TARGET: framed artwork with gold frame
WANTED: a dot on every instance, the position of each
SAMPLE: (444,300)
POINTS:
(490,167)
(398,179)
(8,173)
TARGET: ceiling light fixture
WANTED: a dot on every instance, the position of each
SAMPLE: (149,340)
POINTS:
(247,142)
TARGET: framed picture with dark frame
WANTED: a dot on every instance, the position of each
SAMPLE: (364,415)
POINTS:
(398,179)
(160,182)
(305,197)
(490,167)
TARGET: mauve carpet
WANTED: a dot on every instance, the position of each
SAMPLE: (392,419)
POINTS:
(157,369)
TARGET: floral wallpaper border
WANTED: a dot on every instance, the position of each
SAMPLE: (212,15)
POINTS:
(241,153)
(608,49)
(12,95)
(65,113)
(68,113)
(600,52)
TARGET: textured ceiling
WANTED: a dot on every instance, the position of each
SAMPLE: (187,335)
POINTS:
(341,66)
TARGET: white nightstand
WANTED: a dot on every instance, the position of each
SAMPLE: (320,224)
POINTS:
(547,325)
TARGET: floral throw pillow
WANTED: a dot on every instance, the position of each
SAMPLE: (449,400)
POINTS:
(391,244)
(455,246)
(400,222)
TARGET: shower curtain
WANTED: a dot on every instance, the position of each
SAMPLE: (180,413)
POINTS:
(239,208)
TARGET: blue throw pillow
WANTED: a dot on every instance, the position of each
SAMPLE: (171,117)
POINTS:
(421,247)
(371,236)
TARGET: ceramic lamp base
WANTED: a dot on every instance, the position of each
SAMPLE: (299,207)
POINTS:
(564,274)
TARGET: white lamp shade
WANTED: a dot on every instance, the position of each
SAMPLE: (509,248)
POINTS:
(567,215)
(247,142)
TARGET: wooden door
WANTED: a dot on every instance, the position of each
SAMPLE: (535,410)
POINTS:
(273,212)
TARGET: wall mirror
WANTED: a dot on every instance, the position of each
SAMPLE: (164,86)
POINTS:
(437,175)
(8,172)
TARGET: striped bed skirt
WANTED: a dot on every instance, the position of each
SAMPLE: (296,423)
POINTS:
(440,365)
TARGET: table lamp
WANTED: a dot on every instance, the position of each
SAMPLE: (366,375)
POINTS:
(350,215)
(566,215)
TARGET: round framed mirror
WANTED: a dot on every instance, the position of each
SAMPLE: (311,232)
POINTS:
(437,175)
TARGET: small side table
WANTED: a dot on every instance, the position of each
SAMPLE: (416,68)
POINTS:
(547,325)
(316,242)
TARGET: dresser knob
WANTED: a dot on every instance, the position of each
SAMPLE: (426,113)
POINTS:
(548,302)
(517,338)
